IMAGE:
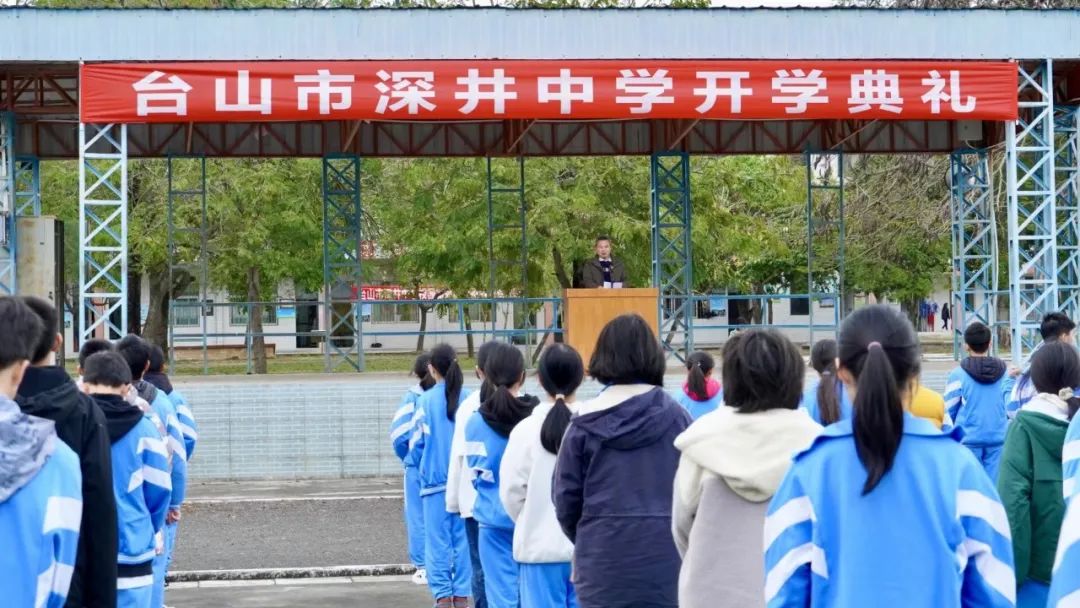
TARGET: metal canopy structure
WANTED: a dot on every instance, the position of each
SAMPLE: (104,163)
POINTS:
(40,97)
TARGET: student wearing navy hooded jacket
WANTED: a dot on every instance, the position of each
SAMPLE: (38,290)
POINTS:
(615,472)
(885,509)
(702,393)
(446,554)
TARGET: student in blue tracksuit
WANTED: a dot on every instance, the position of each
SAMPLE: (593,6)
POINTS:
(1017,388)
(702,393)
(486,434)
(446,554)
(136,352)
(884,509)
(1065,588)
(1070,459)
(973,399)
(525,475)
(826,400)
(141,481)
(40,481)
(401,429)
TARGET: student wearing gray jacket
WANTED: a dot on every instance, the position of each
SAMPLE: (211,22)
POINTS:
(732,462)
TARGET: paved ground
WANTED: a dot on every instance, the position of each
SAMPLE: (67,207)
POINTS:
(376,592)
(292,524)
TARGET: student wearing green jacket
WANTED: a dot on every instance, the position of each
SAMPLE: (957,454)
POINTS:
(1029,479)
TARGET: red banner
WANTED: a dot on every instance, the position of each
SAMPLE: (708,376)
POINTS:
(547,90)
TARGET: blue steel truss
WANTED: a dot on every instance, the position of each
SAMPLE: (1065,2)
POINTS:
(974,243)
(103,259)
(8,237)
(1067,173)
(27,186)
(825,267)
(342,265)
(187,248)
(671,255)
(1032,221)
(507,215)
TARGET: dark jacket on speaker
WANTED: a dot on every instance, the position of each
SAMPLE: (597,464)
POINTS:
(592,274)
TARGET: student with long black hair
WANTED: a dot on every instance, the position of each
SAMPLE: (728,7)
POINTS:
(540,546)
(446,554)
(460,493)
(401,430)
(701,393)
(826,400)
(1030,475)
(486,434)
(614,475)
(884,509)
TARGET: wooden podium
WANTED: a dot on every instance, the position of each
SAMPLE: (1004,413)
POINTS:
(586,311)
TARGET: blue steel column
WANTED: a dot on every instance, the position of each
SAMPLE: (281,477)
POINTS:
(825,215)
(1066,159)
(1033,258)
(671,254)
(27,186)
(103,259)
(8,237)
(188,241)
(342,276)
(507,213)
(974,243)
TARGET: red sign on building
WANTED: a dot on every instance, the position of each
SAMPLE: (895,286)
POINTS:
(547,90)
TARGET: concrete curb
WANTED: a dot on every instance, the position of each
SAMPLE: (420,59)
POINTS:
(256,574)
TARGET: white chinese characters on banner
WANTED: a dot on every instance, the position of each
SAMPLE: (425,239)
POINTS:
(644,89)
(485,88)
(409,90)
(326,86)
(875,88)
(798,89)
(155,96)
(243,95)
(565,89)
(712,90)
(942,90)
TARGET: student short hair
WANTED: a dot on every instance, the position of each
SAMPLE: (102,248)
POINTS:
(762,370)
(978,336)
(136,352)
(1055,325)
(628,352)
(20,328)
(92,347)
(50,323)
(106,368)
(157,358)
(602,237)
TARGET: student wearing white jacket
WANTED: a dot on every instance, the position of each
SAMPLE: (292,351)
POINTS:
(528,464)
(460,493)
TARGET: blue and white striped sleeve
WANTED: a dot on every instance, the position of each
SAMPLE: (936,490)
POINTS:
(417,434)
(401,426)
(186,418)
(174,440)
(153,475)
(985,553)
(1065,588)
(953,393)
(60,529)
(1070,459)
(792,559)
(1023,390)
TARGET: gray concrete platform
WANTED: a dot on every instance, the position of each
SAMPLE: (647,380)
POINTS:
(370,592)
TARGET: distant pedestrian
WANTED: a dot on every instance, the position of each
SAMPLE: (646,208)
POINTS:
(702,393)
(946,316)
(931,315)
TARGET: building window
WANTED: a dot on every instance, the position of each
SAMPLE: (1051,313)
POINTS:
(800,306)
(238,315)
(186,311)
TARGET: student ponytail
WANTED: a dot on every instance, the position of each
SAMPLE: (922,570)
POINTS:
(505,370)
(698,365)
(482,355)
(823,360)
(444,360)
(420,370)
(1055,369)
(878,347)
(561,371)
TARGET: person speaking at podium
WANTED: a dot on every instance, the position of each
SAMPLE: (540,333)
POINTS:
(603,271)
